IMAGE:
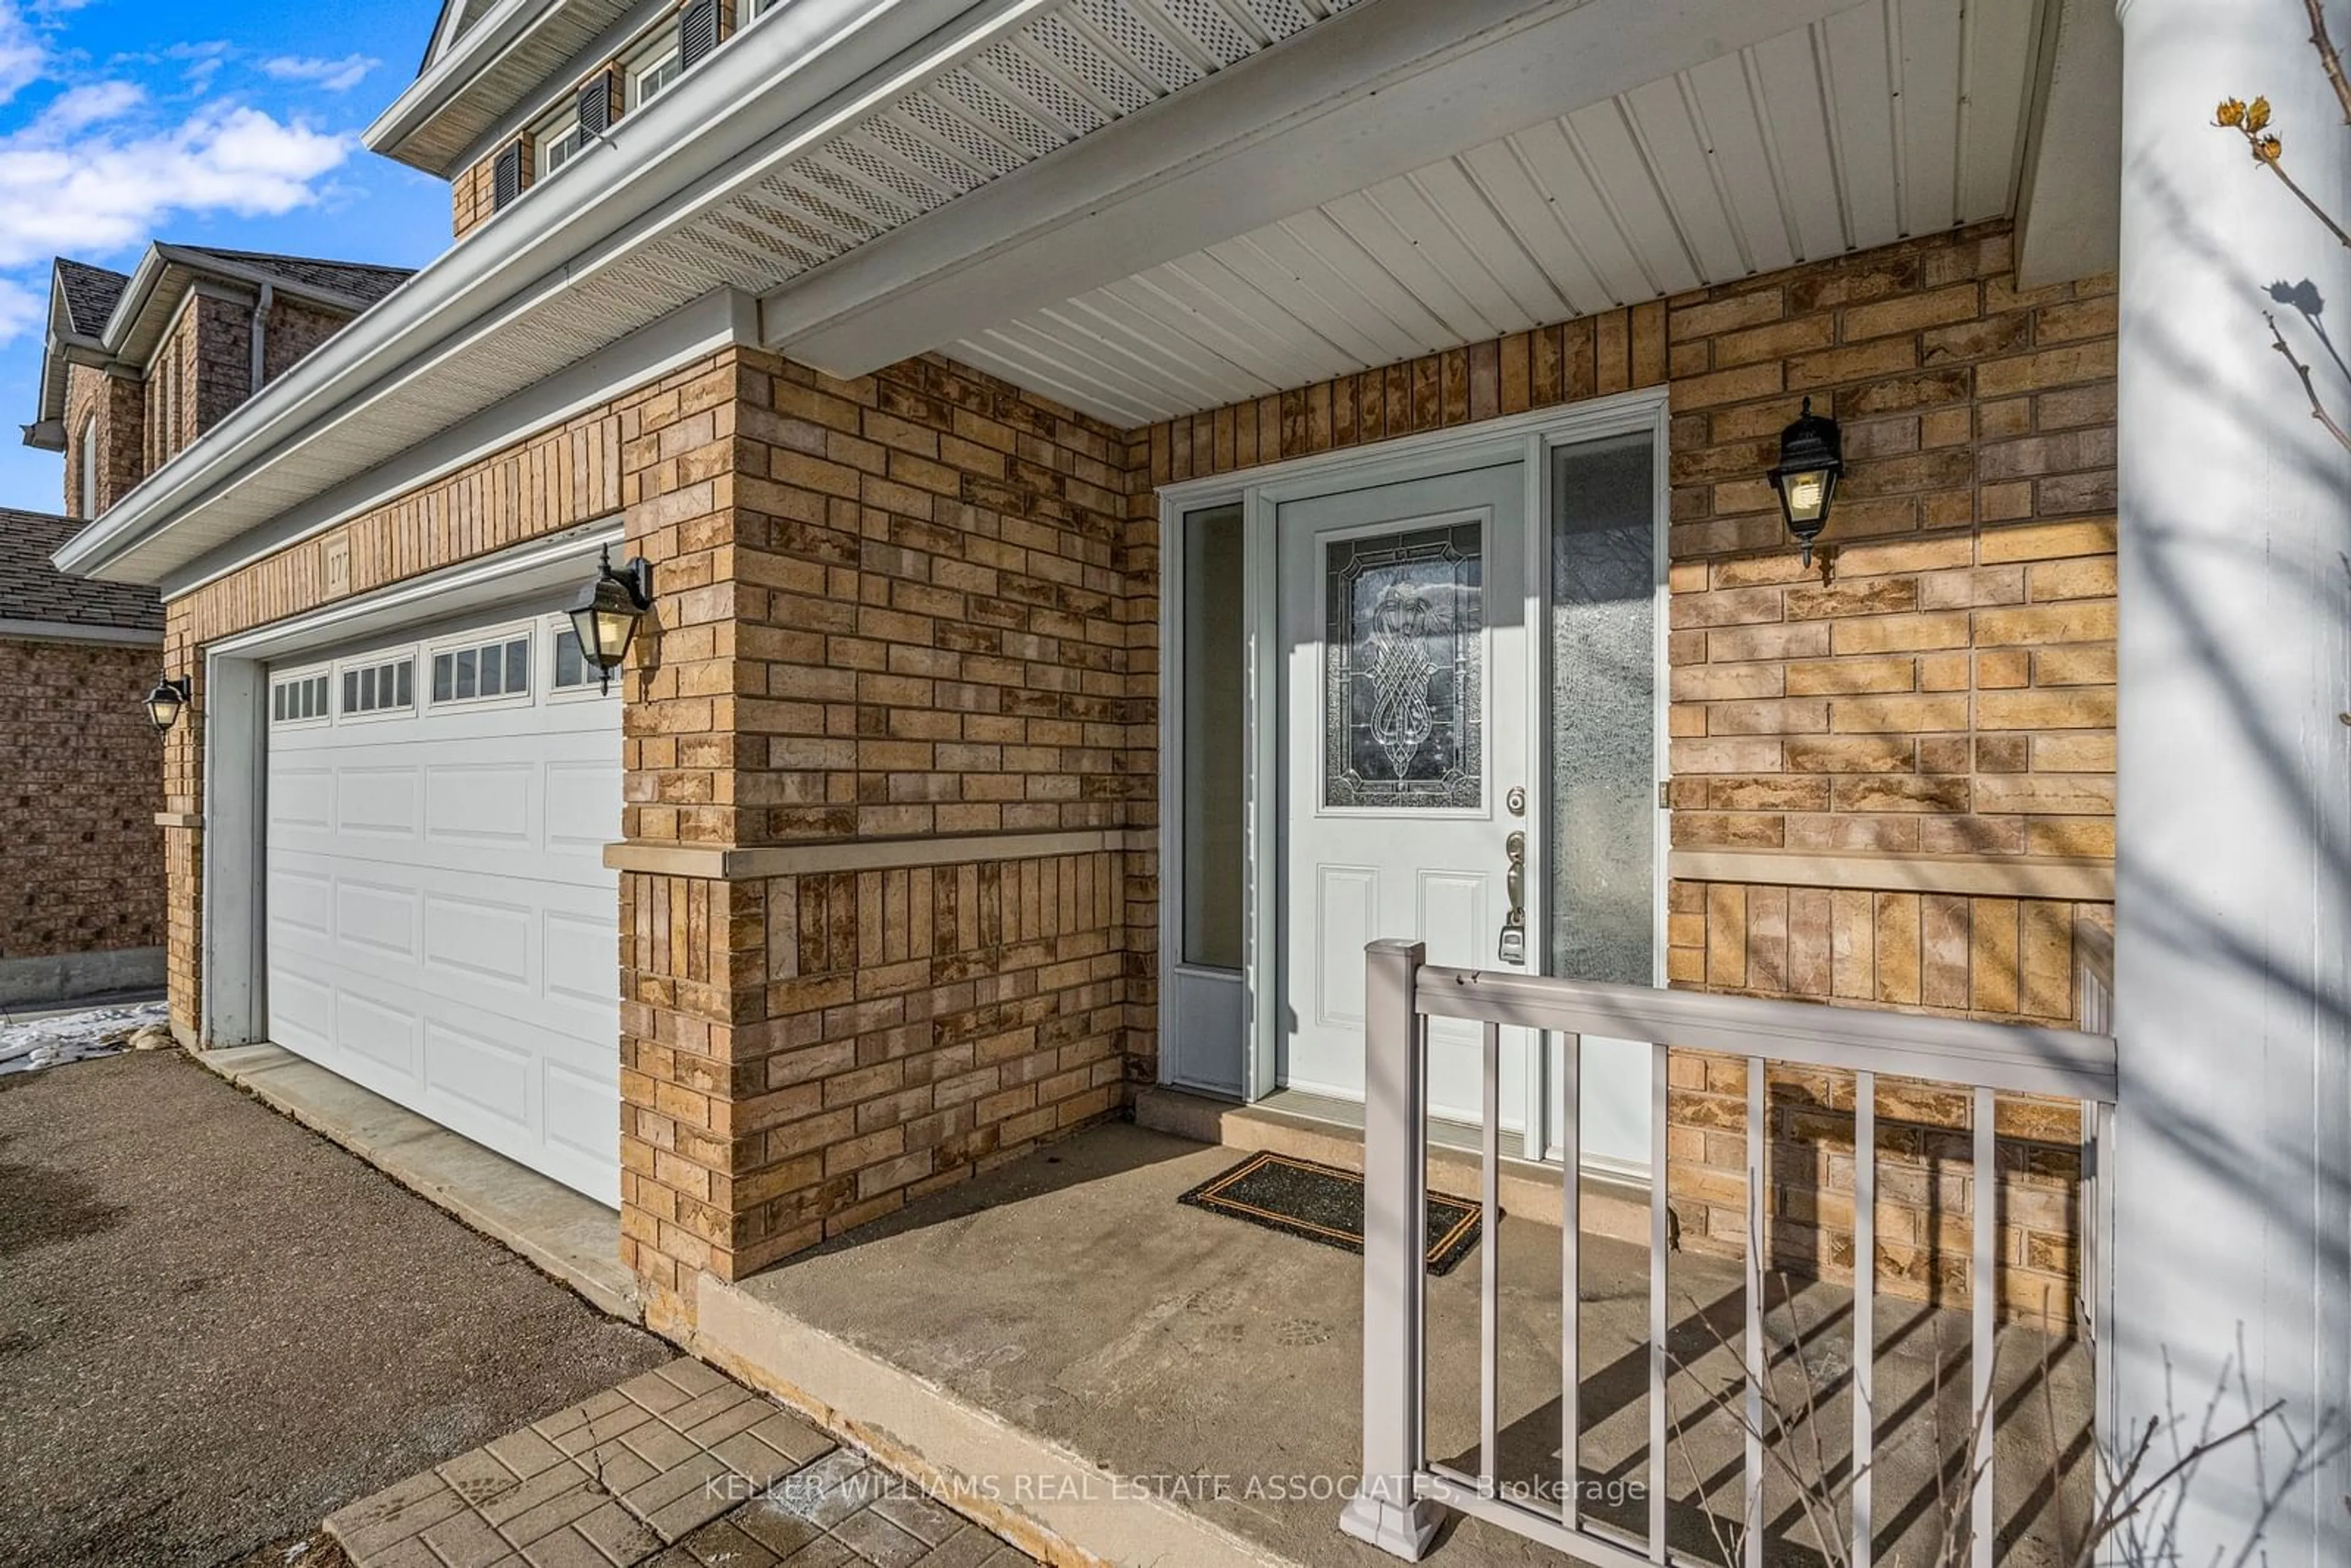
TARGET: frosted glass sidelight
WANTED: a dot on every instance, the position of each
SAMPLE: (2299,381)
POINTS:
(1215,737)
(1604,712)
(1403,676)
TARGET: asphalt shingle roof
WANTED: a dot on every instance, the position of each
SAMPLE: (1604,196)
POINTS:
(90,294)
(358,279)
(31,588)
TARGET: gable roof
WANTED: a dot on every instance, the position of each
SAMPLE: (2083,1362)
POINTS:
(361,281)
(90,294)
(36,590)
(98,316)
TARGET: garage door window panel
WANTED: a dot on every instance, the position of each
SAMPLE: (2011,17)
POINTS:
(571,675)
(494,670)
(301,698)
(377,688)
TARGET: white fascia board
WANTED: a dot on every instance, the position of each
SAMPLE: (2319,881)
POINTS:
(77,632)
(1374,92)
(711,323)
(736,117)
(144,279)
(2069,206)
(446,75)
(622,33)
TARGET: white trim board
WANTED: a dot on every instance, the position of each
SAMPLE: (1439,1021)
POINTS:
(536,566)
(70,632)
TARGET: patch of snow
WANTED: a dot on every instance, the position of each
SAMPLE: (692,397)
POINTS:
(74,1037)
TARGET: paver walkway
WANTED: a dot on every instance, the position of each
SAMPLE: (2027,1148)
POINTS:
(679,1467)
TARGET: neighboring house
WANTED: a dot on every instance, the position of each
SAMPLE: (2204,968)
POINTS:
(81,860)
(1143,497)
(135,367)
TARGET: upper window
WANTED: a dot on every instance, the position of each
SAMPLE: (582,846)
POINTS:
(87,501)
(558,140)
(498,669)
(388,687)
(650,75)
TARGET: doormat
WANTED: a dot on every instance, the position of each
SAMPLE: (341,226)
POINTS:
(1324,1204)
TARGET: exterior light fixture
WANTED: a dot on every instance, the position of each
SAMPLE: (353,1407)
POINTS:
(164,703)
(605,619)
(1812,455)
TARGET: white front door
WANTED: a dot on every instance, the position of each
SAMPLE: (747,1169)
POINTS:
(1405,690)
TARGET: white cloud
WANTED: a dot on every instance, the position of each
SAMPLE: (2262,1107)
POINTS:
(107,191)
(335,76)
(22,52)
(80,108)
(22,309)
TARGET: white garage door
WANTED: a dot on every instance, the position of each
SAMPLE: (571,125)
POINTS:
(442,928)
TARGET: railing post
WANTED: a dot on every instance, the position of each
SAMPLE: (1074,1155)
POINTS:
(1384,1511)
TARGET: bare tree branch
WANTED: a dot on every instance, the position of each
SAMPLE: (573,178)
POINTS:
(2310,390)
(2329,57)
(2277,167)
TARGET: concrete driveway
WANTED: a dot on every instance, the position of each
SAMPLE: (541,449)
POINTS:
(217,1327)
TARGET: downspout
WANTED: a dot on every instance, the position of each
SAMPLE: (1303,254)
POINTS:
(260,330)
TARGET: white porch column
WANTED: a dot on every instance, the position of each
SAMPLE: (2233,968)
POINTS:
(2234,913)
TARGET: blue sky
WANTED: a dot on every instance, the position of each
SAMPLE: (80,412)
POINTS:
(126,120)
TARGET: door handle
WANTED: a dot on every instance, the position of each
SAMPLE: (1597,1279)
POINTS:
(1513,946)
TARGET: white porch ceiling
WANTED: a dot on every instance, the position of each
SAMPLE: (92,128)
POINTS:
(1895,118)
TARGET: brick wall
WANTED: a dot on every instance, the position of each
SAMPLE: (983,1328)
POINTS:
(1853,746)
(200,374)
(896,616)
(294,328)
(112,410)
(80,857)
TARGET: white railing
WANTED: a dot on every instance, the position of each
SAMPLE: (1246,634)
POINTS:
(1401,1493)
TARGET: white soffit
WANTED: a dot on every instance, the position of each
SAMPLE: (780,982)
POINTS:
(1038,85)
(1894,119)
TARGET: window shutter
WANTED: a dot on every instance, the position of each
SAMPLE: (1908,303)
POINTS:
(506,176)
(697,31)
(596,105)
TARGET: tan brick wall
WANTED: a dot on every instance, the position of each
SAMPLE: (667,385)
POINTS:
(80,856)
(112,410)
(1946,685)
(1942,684)
(897,1030)
(293,328)
(199,375)
(893,610)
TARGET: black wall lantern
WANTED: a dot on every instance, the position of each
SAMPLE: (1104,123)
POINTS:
(164,703)
(1812,455)
(605,619)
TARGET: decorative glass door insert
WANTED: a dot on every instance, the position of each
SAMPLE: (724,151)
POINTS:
(1404,687)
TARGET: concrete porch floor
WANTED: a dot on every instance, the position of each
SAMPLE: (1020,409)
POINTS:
(1065,1345)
